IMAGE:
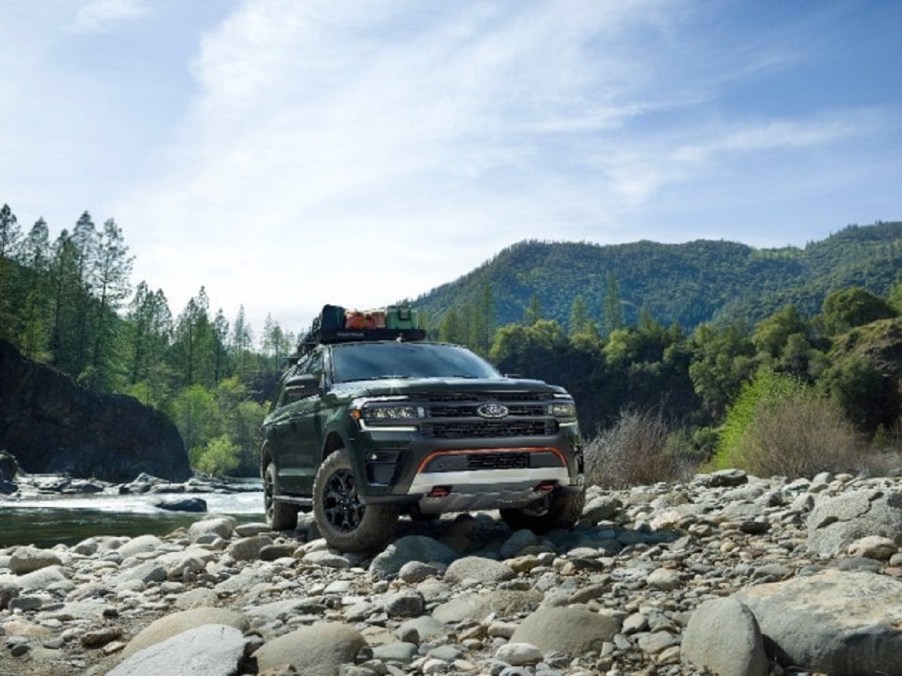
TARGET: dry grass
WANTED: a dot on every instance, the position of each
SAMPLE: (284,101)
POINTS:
(636,450)
(800,437)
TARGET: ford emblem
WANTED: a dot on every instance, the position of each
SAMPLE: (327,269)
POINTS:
(492,410)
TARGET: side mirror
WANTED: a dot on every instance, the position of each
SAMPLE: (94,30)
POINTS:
(300,387)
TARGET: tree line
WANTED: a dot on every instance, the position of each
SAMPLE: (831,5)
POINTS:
(846,355)
(70,303)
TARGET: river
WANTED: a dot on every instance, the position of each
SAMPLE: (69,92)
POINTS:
(47,520)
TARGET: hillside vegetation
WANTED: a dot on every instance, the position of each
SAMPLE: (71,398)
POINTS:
(677,354)
(687,284)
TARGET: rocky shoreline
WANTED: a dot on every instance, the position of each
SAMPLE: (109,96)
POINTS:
(729,573)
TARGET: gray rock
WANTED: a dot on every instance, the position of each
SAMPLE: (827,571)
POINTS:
(145,573)
(406,603)
(723,637)
(835,523)
(28,559)
(323,557)
(208,650)
(834,622)
(320,649)
(409,548)
(601,508)
(395,652)
(517,541)
(518,654)
(43,578)
(874,547)
(477,606)
(413,572)
(182,504)
(143,544)
(665,579)
(425,626)
(723,478)
(176,623)
(571,630)
(248,549)
(223,526)
(478,569)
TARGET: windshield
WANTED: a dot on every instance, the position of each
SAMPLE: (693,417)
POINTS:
(368,361)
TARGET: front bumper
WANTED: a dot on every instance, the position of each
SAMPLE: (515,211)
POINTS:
(445,475)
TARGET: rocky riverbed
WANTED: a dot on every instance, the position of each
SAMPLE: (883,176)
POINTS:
(726,573)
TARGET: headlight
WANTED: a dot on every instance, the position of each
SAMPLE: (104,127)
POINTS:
(376,413)
(386,412)
(563,410)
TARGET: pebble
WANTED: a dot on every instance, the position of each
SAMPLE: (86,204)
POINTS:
(462,594)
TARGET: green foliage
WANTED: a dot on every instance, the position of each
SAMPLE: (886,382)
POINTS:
(779,425)
(845,309)
(762,393)
(219,456)
(690,284)
(858,388)
(68,303)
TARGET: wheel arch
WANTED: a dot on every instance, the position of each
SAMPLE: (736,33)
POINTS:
(333,442)
(265,457)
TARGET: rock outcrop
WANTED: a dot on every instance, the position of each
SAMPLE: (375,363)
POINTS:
(51,425)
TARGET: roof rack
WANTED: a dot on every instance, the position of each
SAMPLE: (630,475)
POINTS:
(331,326)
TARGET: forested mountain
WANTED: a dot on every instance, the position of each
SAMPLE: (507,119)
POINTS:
(681,332)
(688,284)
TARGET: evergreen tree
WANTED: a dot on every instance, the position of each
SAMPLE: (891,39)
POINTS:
(533,311)
(580,322)
(9,236)
(613,310)
(109,276)
(36,317)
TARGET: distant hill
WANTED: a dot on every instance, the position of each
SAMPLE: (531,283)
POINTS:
(689,283)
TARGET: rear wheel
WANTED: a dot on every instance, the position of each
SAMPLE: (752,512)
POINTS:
(279,515)
(343,520)
(555,510)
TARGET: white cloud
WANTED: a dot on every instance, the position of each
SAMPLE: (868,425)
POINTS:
(101,16)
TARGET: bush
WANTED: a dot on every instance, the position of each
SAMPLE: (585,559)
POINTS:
(218,457)
(779,426)
(638,449)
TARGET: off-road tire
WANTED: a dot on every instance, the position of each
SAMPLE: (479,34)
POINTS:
(343,520)
(556,510)
(279,515)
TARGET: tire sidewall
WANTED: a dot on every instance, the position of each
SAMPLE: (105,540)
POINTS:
(377,524)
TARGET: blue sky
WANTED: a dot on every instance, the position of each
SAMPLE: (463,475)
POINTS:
(286,154)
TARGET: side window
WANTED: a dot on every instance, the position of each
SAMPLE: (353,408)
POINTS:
(311,365)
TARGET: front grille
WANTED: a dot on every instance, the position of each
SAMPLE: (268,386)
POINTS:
(498,461)
(481,429)
(468,409)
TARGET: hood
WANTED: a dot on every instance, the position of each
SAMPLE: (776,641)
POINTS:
(426,386)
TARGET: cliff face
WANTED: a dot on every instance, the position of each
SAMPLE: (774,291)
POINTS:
(51,425)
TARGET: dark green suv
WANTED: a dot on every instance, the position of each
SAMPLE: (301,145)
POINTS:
(365,428)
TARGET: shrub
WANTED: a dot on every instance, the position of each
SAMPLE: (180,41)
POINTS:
(779,426)
(638,449)
(218,457)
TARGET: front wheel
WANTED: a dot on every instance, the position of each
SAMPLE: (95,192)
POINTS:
(555,510)
(343,520)
(279,515)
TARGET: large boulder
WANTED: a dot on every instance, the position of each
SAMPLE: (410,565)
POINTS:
(52,425)
(834,622)
(8,466)
(837,522)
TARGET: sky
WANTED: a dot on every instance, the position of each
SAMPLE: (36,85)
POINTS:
(285,154)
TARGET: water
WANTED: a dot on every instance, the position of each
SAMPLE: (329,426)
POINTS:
(45,521)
